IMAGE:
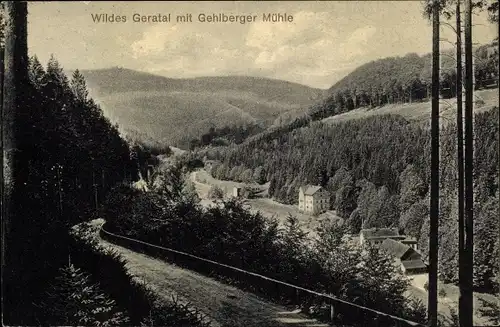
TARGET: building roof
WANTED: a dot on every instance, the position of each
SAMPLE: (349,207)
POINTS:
(380,233)
(395,248)
(409,240)
(399,250)
(310,189)
(413,264)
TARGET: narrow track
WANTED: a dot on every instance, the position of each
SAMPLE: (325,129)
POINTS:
(225,305)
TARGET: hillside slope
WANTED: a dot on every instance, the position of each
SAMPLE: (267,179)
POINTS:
(174,110)
(420,111)
(407,79)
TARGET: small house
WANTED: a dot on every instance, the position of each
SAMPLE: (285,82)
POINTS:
(399,250)
(313,199)
(237,192)
(405,256)
(413,267)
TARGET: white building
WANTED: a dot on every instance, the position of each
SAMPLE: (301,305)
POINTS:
(237,191)
(313,199)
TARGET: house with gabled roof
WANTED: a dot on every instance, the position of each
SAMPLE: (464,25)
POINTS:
(405,256)
(399,250)
(313,199)
(413,267)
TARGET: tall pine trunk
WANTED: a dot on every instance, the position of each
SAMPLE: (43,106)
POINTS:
(15,64)
(434,187)
(2,193)
(15,74)
(460,167)
(466,312)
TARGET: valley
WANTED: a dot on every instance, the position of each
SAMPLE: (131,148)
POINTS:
(448,299)
(305,172)
(174,111)
(263,204)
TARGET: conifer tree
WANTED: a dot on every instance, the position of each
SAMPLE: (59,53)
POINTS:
(72,299)
(79,86)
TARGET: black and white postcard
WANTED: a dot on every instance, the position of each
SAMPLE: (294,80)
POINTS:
(250,163)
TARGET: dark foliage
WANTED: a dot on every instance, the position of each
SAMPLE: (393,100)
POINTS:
(228,233)
(226,135)
(377,173)
(68,157)
(73,298)
(136,298)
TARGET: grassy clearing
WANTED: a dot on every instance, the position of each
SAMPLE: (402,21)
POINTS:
(266,206)
(448,299)
(420,111)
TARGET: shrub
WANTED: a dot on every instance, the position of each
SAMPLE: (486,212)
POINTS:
(142,304)
(215,192)
(174,313)
(491,310)
(189,192)
(230,234)
(72,299)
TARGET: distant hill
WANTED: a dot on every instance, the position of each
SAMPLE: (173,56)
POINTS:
(397,85)
(484,100)
(407,79)
(175,110)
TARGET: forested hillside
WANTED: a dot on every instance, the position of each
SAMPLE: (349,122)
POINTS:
(377,172)
(226,135)
(404,80)
(388,86)
(68,156)
(175,111)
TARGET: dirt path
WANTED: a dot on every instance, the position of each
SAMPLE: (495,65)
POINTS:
(449,301)
(225,305)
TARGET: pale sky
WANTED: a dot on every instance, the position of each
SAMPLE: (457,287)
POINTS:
(325,41)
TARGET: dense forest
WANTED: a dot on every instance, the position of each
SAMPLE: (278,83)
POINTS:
(170,215)
(377,173)
(146,142)
(404,80)
(70,156)
(225,135)
(66,158)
